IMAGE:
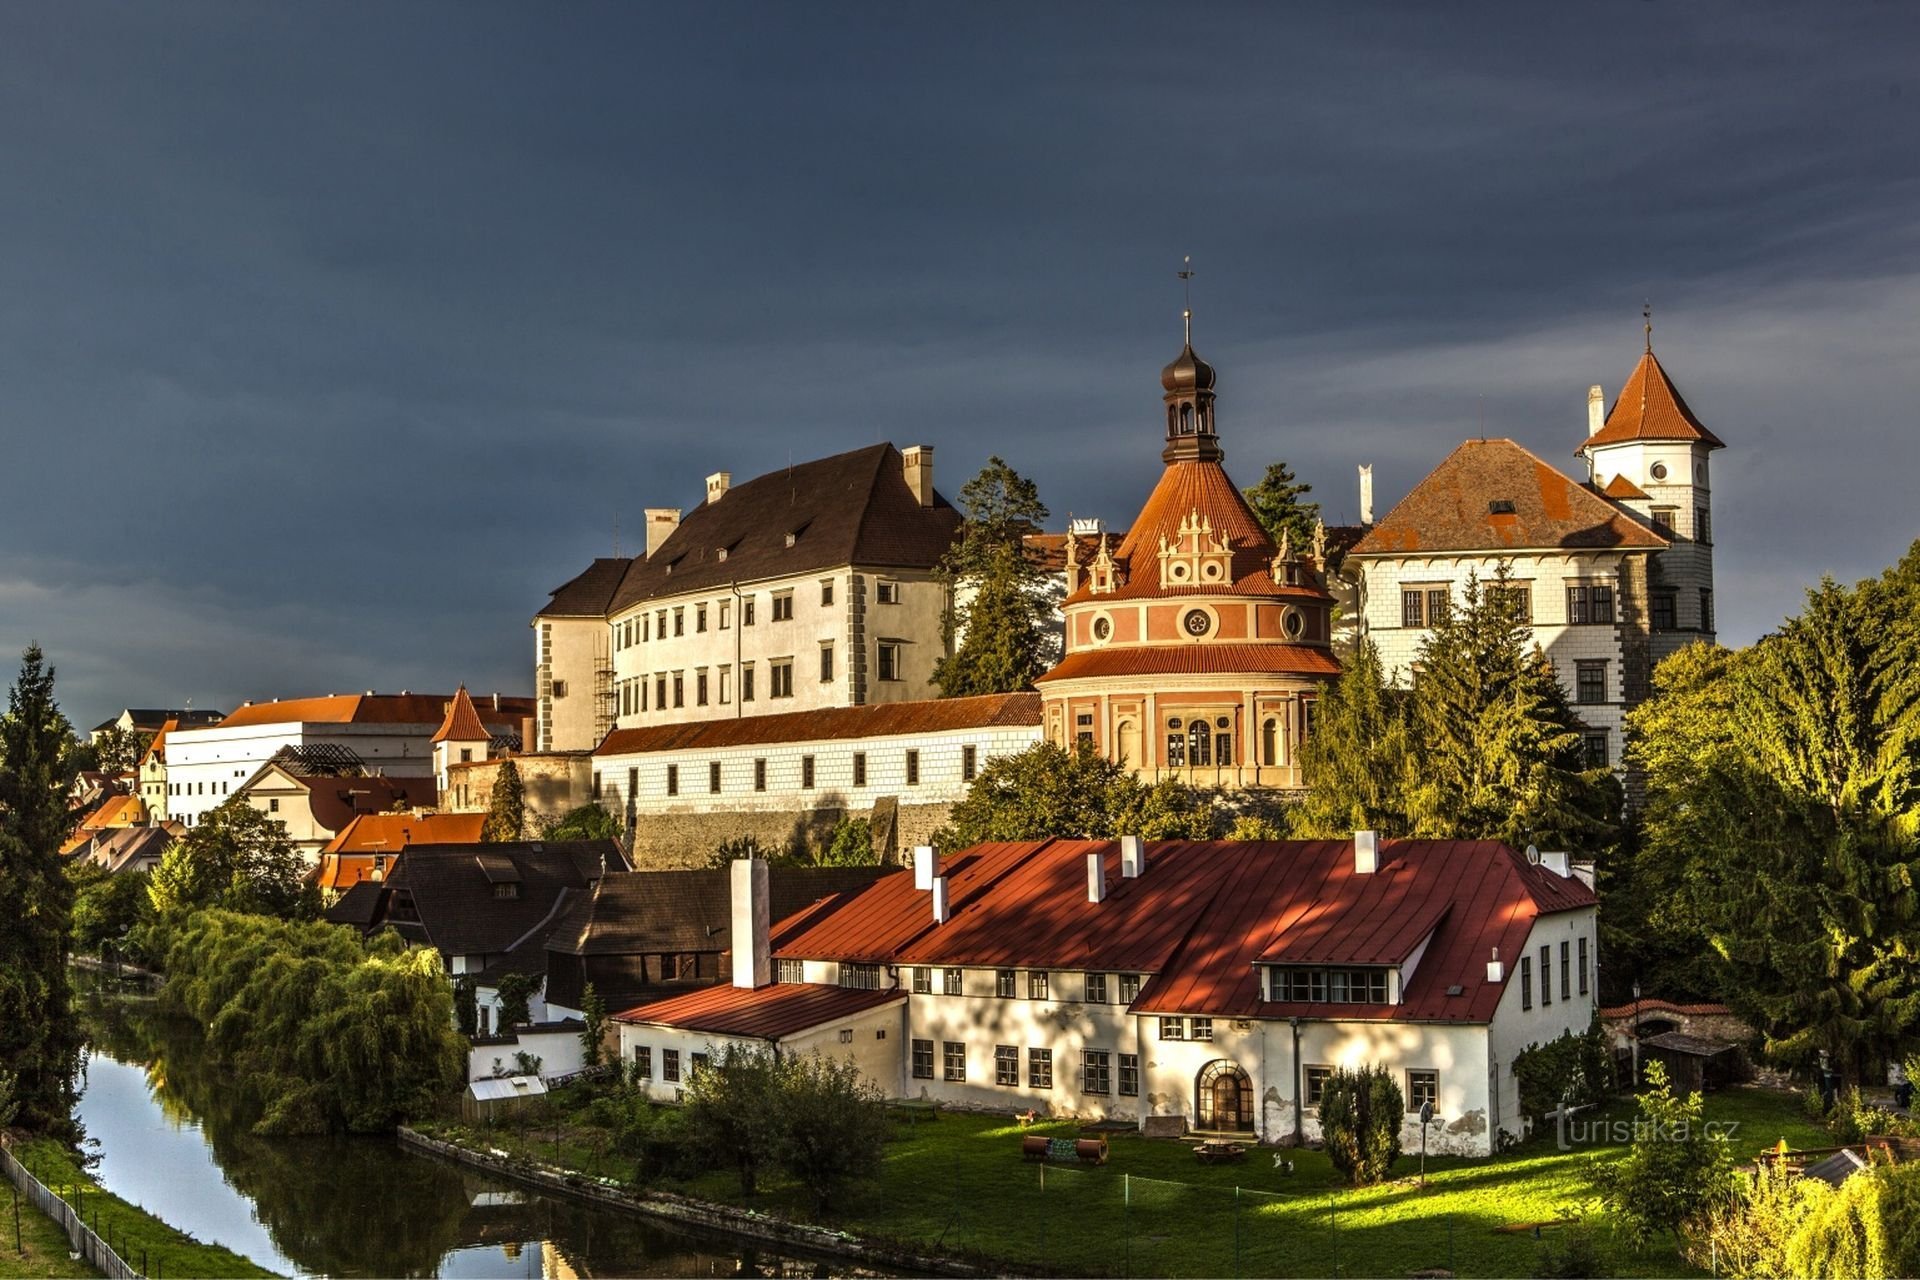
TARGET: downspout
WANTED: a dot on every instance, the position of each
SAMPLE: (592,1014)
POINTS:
(1299,1129)
(739,625)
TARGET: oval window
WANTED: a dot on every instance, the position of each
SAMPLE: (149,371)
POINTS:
(1658,471)
(1102,628)
(1197,622)
(1294,623)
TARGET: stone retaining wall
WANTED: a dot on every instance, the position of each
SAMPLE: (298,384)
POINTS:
(669,841)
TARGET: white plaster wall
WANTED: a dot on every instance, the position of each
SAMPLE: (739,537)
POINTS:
(560,1053)
(209,765)
(874,1046)
(1514,1029)
(568,654)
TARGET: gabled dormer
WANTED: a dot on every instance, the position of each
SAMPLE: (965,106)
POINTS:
(1195,557)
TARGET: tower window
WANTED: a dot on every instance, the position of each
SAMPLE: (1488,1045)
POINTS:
(1663,520)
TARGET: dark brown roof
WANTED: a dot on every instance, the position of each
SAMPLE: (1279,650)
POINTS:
(852,508)
(881,720)
(1493,495)
(337,801)
(1049,550)
(648,912)
(589,594)
(377,708)
(1195,659)
(1650,408)
(767,1013)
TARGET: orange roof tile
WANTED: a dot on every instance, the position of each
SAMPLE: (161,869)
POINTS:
(159,743)
(392,832)
(1195,659)
(1621,488)
(881,720)
(463,722)
(374,708)
(1493,495)
(1650,408)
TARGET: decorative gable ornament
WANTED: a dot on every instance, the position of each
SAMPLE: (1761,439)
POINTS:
(1104,575)
(1197,558)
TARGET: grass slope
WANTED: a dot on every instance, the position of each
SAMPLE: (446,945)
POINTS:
(43,1250)
(957,1185)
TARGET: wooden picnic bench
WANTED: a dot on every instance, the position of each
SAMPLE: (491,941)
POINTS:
(1219,1152)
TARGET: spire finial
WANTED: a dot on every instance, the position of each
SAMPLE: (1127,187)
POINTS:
(1186,285)
(1646,314)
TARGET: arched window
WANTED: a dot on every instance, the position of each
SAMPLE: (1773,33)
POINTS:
(1199,744)
(1186,419)
(1129,744)
(1270,742)
(1223,1098)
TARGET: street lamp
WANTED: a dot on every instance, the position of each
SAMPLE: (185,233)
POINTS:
(1634,1034)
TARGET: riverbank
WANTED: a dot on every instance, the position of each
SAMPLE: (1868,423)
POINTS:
(157,1249)
(43,1249)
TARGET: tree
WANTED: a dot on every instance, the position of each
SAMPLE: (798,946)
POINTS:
(1277,505)
(1360,1116)
(236,858)
(1047,790)
(593,1032)
(39,1035)
(733,1110)
(588,822)
(506,806)
(1359,763)
(832,1125)
(1677,1167)
(850,845)
(117,750)
(998,604)
(1500,752)
(107,908)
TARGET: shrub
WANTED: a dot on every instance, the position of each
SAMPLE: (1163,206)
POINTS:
(1844,1237)
(832,1125)
(1746,1234)
(1578,1256)
(1360,1116)
(1576,1067)
(1677,1167)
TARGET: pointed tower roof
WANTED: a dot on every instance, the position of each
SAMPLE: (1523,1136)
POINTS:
(463,721)
(1650,408)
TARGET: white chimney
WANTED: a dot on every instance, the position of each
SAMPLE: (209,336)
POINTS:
(1496,972)
(717,484)
(1366,852)
(752,963)
(941,910)
(916,463)
(1133,857)
(1096,878)
(1596,411)
(926,867)
(1561,864)
(661,522)
(1366,493)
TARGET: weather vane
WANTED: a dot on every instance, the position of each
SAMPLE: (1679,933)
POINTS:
(1646,314)
(1186,285)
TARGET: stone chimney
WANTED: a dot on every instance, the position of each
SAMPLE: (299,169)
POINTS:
(916,464)
(1133,857)
(717,484)
(1366,494)
(1366,852)
(1096,878)
(1596,411)
(752,958)
(661,522)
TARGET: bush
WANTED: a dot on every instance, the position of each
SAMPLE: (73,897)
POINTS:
(1676,1169)
(1844,1236)
(1576,1068)
(1360,1116)
(1578,1256)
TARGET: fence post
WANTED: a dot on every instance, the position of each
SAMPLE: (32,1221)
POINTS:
(1126,1224)
(1450,1266)
(1236,1231)
(1333,1219)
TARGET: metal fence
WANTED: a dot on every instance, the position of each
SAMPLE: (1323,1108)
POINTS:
(85,1240)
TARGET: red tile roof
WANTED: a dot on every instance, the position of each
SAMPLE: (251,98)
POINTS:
(337,800)
(463,721)
(1654,1004)
(1195,659)
(881,720)
(766,1013)
(376,708)
(1455,509)
(158,746)
(1622,488)
(1650,408)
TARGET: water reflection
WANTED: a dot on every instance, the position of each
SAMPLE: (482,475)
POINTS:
(175,1136)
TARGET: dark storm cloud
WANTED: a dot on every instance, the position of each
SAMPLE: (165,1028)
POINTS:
(332,337)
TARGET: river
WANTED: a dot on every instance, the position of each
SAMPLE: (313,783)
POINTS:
(174,1137)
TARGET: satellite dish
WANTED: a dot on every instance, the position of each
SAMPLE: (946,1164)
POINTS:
(1426,1113)
(1533,855)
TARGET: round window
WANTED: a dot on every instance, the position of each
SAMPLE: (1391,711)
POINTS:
(1197,622)
(1223,723)
(1294,623)
(1210,570)
(1177,571)
(1173,722)
(1103,628)
(1658,471)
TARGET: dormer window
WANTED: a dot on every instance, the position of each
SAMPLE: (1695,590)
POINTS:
(1309,985)
(1500,507)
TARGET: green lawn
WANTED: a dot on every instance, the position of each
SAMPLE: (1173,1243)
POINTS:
(43,1245)
(956,1185)
(135,1234)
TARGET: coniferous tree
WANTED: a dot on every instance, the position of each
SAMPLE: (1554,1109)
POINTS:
(506,806)
(39,1037)
(998,603)
(1277,504)
(1358,763)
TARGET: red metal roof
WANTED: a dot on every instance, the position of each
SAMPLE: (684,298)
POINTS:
(881,720)
(1650,408)
(875,925)
(765,1013)
(1195,659)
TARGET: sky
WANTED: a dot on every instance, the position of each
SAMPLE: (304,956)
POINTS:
(334,337)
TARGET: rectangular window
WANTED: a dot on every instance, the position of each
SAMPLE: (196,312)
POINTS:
(746,682)
(746,612)
(1003,983)
(661,629)
(1040,1068)
(1663,519)
(806,773)
(660,692)
(913,768)
(1095,1069)
(1129,987)
(1036,984)
(1546,976)
(1526,983)
(826,664)
(826,593)
(760,775)
(643,1062)
(1589,603)
(1583,966)
(923,1059)
(1437,598)
(955,1055)
(273,804)
(1317,1078)
(1423,1086)
(699,618)
(860,977)
(700,687)
(846,1035)
(673,779)
(1702,526)
(696,1063)
(969,762)
(886,591)
(1006,1065)
(1566,971)
(922,981)
(1200,1029)
(679,689)
(1413,607)
(1706,609)
(950,982)
(783,606)
(670,1065)
(1173,1028)
(726,685)
(1129,1075)
(1518,598)
(726,613)
(680,621)
(889,664)
(793,971)
(1096,988)
(713,776)
(859,768)
(1663,611)
(1599,751)
(780,678)
(1590,682)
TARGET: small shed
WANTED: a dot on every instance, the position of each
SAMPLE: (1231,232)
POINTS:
(1694,1064)
(493,1099)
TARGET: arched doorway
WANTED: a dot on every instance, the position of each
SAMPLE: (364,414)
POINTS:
(1223,1098)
